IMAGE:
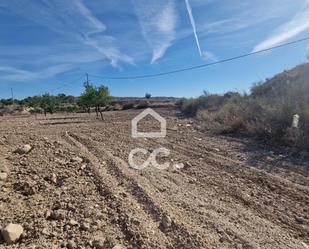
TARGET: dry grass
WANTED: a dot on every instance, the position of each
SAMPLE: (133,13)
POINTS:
(264,114)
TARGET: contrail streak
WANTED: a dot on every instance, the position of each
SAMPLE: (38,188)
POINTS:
(193,27)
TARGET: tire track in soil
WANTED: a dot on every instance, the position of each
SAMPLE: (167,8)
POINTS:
(126,213)
(213,223)
(271,184)
(230,166)
(179,234)
(199,150)
(205,149)
(221,165)
(225,163)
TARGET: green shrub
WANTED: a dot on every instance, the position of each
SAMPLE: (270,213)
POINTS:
(211,102)
(72,108)
(189,107)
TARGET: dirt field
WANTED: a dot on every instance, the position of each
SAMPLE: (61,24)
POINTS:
(75,188)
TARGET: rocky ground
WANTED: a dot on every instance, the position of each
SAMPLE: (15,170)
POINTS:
(65,183)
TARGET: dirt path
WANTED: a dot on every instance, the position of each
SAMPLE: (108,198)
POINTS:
(230,193)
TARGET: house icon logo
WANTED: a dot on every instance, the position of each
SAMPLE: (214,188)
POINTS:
(142,115)
(152,159)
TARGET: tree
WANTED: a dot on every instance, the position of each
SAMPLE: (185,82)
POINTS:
(147,95)
(7,102)
(97,97)
(61,97)
(87,98)
(102,99)
(32,101)
(48,103)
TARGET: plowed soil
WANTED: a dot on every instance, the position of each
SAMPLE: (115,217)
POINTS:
(231,193)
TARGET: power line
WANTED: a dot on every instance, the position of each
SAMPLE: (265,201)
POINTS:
(203,65)
(66,84)
(48,90)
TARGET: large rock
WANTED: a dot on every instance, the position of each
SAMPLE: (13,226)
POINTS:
(166,222)
(58,215)
(24,149)
(11,233)
(85,226)
(3,176)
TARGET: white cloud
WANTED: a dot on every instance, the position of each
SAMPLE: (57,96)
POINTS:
(158,22)
(298,24)
(103,44)
(70,18)
(207,55)
(189,9)
(16,74)
(60,16)
(240,21)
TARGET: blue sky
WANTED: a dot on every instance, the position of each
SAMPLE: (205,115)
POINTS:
(45,45)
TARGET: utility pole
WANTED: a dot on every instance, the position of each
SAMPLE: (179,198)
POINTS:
(12,96)
(87,79)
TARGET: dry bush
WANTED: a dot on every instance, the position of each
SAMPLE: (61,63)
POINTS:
(127,106)
(203,114)
(264,120)
(210,102)
(265,114)
(190,107)
(142,104)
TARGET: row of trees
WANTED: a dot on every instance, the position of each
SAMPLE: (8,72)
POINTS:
(97,98)
(92,97)
(35,101)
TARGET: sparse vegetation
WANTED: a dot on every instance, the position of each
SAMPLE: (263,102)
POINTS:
(211,102)
(142,104)
(266,113)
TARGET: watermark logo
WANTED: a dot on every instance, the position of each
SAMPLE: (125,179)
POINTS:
(142,115)
(152,159)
